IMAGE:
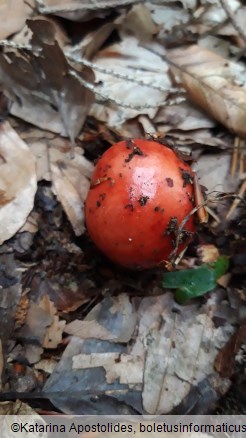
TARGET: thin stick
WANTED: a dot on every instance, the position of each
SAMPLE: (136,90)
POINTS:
(241,157)
(237,201)
(231,15)
(202,213)
(235,156)
(173,254)
(124,76)
(106,98)
(213,214)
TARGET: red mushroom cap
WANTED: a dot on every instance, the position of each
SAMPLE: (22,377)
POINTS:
(140,192)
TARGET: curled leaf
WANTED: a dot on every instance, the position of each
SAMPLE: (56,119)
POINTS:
(213,83)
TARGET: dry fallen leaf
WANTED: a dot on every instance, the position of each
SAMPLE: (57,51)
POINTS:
(168,15)
(1,364)
(130,59)
(46,365)
(10,291)
(213,83)
(40,79)
(53,335)
(213,171)
(138,21)
(225,361)
(16,193)
(13,14)
(11,412)
(184,117)
(180,350)
(82,10)
(170,353)
(70,175)
(128,369)
(113,319)
(42,328)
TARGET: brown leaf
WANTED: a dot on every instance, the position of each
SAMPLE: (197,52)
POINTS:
(113,319)
(126,368)
(214,84)
(181,352)
(17,182)
(32,80)
(1,364)
(53,335)
(37,322)
(10,291)
(225,360)
(140,23)
(70,176)
(78,10)
(13,14)
(4,107)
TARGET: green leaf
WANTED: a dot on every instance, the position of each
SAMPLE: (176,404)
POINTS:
(220,266)
(191,283)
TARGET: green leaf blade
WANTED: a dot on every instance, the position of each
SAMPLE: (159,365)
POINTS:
(192,283)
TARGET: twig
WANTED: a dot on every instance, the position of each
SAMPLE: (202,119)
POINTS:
(213,214)
(237,201)
(199,199)
(106,98)
(231,15)
(111,72)
(235,156)
(179,230)
(178,234)
(12,44)
(124,76)
(241,157)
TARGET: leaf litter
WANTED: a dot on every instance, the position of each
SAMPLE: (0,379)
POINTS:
(99,332)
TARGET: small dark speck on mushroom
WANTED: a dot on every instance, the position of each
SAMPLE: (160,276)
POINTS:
(129,206)
(169,182)
(187,177)
(136,151)
(172,226)
(143,200)
(98,204)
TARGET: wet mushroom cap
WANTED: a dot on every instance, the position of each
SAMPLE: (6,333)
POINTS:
(140,192)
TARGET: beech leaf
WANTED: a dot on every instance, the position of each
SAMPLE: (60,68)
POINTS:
(213,83)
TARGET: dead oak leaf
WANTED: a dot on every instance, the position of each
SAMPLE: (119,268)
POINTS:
(213,83)
(18,182)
